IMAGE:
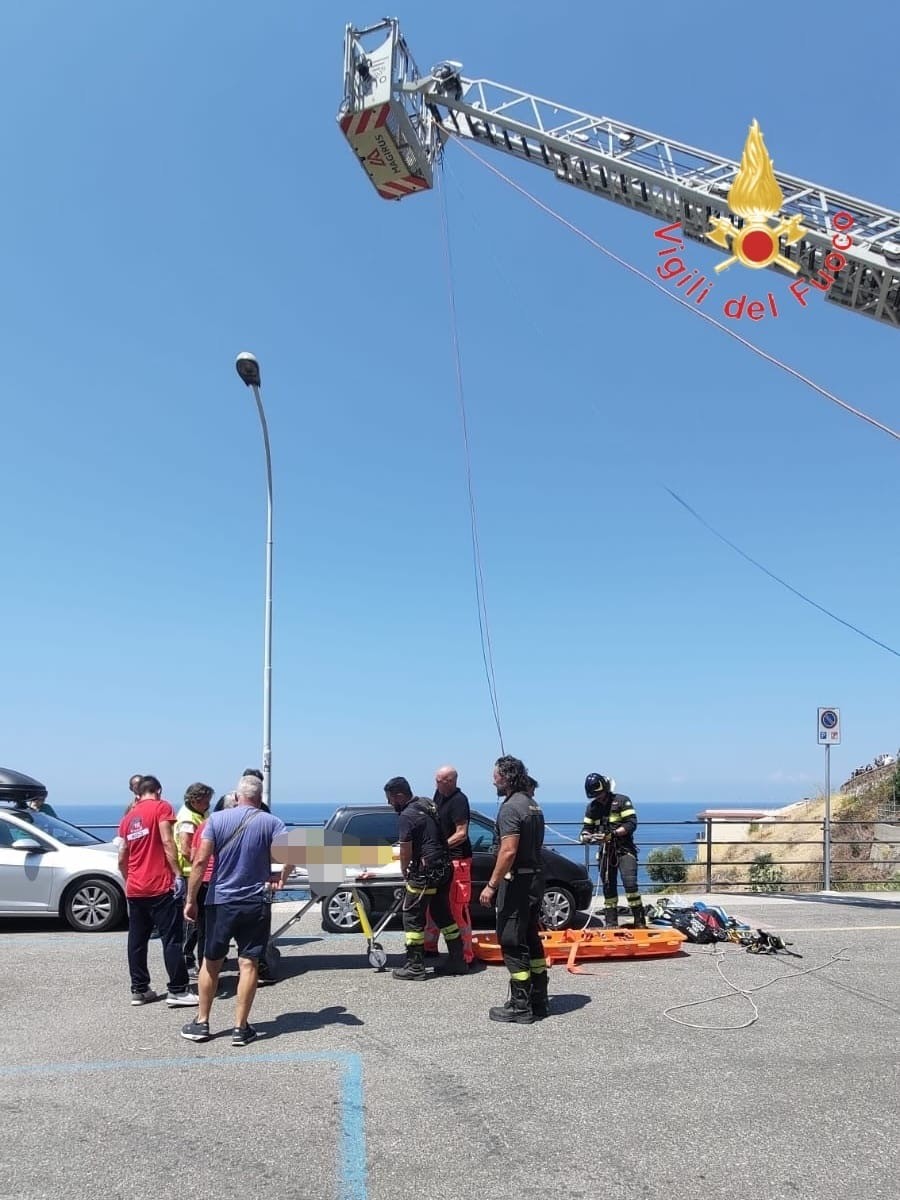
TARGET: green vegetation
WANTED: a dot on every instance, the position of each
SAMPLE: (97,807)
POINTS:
(766,874)
(667,865)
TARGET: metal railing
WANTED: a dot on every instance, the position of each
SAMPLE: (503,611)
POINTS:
(704,868)
(706,865)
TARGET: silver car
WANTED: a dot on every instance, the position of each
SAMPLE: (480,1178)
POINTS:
(49,868)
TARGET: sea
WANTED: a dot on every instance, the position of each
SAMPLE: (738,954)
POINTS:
(659,825)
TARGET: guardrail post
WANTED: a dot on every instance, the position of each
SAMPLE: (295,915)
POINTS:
(709,854)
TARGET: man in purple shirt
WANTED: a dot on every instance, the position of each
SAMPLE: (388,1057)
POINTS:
(237,902)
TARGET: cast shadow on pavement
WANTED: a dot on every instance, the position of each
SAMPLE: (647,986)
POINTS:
(875,901)
(305,1022)
(295,1022)
(563,1004)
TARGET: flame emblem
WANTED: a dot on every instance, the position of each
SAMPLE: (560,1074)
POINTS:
(756,196)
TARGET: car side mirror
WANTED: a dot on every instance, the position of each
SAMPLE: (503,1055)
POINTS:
(29,846)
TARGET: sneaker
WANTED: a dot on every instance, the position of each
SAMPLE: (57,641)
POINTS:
(244,1036)
(147,996)
(182,999)
(196,1031)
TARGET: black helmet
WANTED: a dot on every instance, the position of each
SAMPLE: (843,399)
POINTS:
(594,784)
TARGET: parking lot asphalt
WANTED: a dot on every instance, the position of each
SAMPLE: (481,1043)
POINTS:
(365,1088)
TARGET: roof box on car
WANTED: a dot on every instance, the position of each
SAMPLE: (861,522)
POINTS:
(16,788)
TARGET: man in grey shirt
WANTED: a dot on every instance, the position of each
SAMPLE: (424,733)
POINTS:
(237,902)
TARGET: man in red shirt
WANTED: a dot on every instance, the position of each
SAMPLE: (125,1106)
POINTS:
(148,862)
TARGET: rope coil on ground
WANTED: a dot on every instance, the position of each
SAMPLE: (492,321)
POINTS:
(719,957)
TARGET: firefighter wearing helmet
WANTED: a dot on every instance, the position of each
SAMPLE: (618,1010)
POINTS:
(610,822)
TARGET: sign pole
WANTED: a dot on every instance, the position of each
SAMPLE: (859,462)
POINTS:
(829,734)
(827,838)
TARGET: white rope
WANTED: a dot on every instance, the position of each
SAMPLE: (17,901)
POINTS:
(705,316)
(719,957)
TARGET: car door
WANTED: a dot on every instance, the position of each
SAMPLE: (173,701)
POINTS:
(26,876)
(481,835)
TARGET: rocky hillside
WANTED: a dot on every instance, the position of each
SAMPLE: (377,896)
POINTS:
(784,853)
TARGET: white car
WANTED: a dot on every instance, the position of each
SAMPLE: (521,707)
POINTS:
(49,868)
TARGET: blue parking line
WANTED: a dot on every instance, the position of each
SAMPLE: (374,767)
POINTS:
(352,1157)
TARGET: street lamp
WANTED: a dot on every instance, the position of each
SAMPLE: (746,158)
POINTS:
(247,367)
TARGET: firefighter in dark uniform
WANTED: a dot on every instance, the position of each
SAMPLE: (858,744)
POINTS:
(425,865)
(610,819)
(516,885)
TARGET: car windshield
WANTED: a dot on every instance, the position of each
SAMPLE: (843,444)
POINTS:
(69,835)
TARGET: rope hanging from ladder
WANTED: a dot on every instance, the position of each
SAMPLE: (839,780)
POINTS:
(696,515)
(732,333)
(487,653)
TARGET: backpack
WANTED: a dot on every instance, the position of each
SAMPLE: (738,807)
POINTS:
(702,926)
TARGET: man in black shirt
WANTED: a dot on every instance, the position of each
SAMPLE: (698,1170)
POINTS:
(425,864)
(517,886)
(453,809)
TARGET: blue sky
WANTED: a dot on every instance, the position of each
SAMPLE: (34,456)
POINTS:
(177,190)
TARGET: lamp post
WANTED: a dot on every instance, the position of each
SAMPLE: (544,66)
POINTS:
(247,367)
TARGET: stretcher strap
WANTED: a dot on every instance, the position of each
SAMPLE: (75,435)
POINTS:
(571,965)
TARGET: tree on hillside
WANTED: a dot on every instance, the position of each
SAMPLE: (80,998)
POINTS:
(667,865)
(766,874)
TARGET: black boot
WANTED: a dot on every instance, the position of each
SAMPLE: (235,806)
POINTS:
(517,1010)
(611,918)
(540,1004)
(414,967)
(455,962)
(640,917)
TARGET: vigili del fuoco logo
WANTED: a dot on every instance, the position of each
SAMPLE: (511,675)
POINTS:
(756,197)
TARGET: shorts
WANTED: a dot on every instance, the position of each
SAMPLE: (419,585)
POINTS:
(247,922)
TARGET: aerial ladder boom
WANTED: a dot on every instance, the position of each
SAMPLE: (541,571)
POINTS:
(398,120)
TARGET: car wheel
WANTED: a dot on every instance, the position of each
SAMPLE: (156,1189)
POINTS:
(557,907)
(93,906)
(339,911)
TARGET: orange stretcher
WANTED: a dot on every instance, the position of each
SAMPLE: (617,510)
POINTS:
(573,945)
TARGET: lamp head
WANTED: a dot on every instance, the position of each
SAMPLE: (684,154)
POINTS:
(247,367)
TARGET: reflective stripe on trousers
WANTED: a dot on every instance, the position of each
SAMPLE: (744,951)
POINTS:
(460,898)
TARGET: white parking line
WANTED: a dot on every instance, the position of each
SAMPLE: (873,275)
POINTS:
(839,929)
